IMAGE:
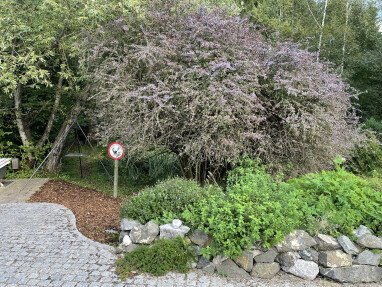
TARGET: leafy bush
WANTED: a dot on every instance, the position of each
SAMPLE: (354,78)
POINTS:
(254,208)
(164,201)
(375,126)
(209,87)
(338,202)
(161,257)
(367,158)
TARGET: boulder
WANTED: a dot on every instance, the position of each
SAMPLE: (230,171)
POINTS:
(348,246)
(229,269)
(255,251)
(296,241)
(304,269)
(122,234)
(265,270)
(128,224)
(245,261)
(287,259)
(326,242)
(202,262)
(209,269)
(309,254)
(353,274)
(370,241)
(368,258)
(128,248)
(219,259)
(361,231)
(266,257)
(126,241)
(144,234)
(169,231)
(334,258)
(197,249)
(200,238)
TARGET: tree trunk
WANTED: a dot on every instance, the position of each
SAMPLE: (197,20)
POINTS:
(345,33)
(57,99)
(322,30)
(19,119)
(58,145)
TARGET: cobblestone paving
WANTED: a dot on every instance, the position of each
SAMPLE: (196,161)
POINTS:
(40,246)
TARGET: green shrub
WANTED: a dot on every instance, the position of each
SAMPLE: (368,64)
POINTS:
(367,158)
(163,256)
(338,202)
(254,208)
(375,126)
(165,201)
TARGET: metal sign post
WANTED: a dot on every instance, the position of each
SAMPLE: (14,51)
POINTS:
(115,152)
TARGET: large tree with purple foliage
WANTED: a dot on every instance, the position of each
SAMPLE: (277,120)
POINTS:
(209,87)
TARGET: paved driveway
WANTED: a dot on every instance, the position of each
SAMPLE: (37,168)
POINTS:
(40,246)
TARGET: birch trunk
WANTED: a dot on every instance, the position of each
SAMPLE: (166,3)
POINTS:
(345,34)
(19,119)
(322,30)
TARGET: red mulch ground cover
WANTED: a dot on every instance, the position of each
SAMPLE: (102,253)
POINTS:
(94,211)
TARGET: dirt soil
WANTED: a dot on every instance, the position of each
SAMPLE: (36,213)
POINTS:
(95,212)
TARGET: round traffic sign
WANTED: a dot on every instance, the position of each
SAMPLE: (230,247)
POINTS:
(115,150)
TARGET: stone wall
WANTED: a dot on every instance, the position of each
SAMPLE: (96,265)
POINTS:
(299,254)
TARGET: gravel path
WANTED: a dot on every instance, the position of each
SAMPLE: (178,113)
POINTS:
(40,246)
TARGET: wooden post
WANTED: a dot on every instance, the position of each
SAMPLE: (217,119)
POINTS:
(115,192)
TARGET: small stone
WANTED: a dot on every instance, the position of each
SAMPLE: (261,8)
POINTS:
(265,270)
(361,231)
(266,257)
(209,269)
(296,241)
(169,232)
(126,240)
(200,238)
(348,246)
(177,223)
(128,224)
(368,258)
(245,261)
(197,249)
(287,259)
(334,258)
(219,259)
(229,269)
(326,242)
(370,241)
(304,269)
(202,262)
(129,248)
(144,234)
(122,234)
(256,252)
(353,274)
(309,254)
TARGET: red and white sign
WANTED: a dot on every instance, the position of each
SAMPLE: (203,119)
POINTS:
(116,151)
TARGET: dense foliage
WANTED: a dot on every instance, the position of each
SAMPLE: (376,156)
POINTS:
(209,87)
(165,201)
(255,208)
(161,257)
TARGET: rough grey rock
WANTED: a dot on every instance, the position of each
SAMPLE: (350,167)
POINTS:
(361,231)
(209,269)
(177,223)
(255,251)
(168,231)
(122,234)
(245,261)
(304,269)
(353,274)
(309,254)
(287,259)
(326,242)
(370,241)
(265,270)
(296,241)
(128,224)
(368,258)
(229,269)
(129,248)
(334,258)
(197,250)
(202,262)
(266,257)
(199,238)
(144,234)
(348,246)
(219,259)
(126,241)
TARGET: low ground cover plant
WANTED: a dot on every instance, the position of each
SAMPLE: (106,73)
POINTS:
(166,200)
(163,256)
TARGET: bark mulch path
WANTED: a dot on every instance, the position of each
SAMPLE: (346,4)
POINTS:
(95,212)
